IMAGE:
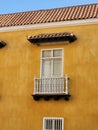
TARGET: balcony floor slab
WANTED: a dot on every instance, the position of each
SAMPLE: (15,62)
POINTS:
(47,97)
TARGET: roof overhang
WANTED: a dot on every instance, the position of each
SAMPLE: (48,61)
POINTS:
(2,44)
(53,37)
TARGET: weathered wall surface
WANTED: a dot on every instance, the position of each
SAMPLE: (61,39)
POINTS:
(20,62)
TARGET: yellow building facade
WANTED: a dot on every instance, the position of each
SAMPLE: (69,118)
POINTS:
(21,61)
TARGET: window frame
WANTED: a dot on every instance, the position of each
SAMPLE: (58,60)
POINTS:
(62,57)
(53,118)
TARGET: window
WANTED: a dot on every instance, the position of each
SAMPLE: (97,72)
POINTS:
(53,123)
(52,63)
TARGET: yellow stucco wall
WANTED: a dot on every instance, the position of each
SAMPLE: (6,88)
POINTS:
(20,61)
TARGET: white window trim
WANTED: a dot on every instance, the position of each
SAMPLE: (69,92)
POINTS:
(53,118)
(52,50)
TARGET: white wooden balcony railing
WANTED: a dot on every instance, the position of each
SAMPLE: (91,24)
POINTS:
(47,86)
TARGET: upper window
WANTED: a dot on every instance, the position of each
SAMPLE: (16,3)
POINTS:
(53,123)
(52,63)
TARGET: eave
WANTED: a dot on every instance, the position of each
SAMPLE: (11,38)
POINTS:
(53,37)
(2,44)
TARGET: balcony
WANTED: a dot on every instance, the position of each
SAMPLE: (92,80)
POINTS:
(51,88)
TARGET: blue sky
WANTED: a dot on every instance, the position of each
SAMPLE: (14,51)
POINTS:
(12,6)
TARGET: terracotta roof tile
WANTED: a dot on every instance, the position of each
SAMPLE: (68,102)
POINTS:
(50,15)
(51,35)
